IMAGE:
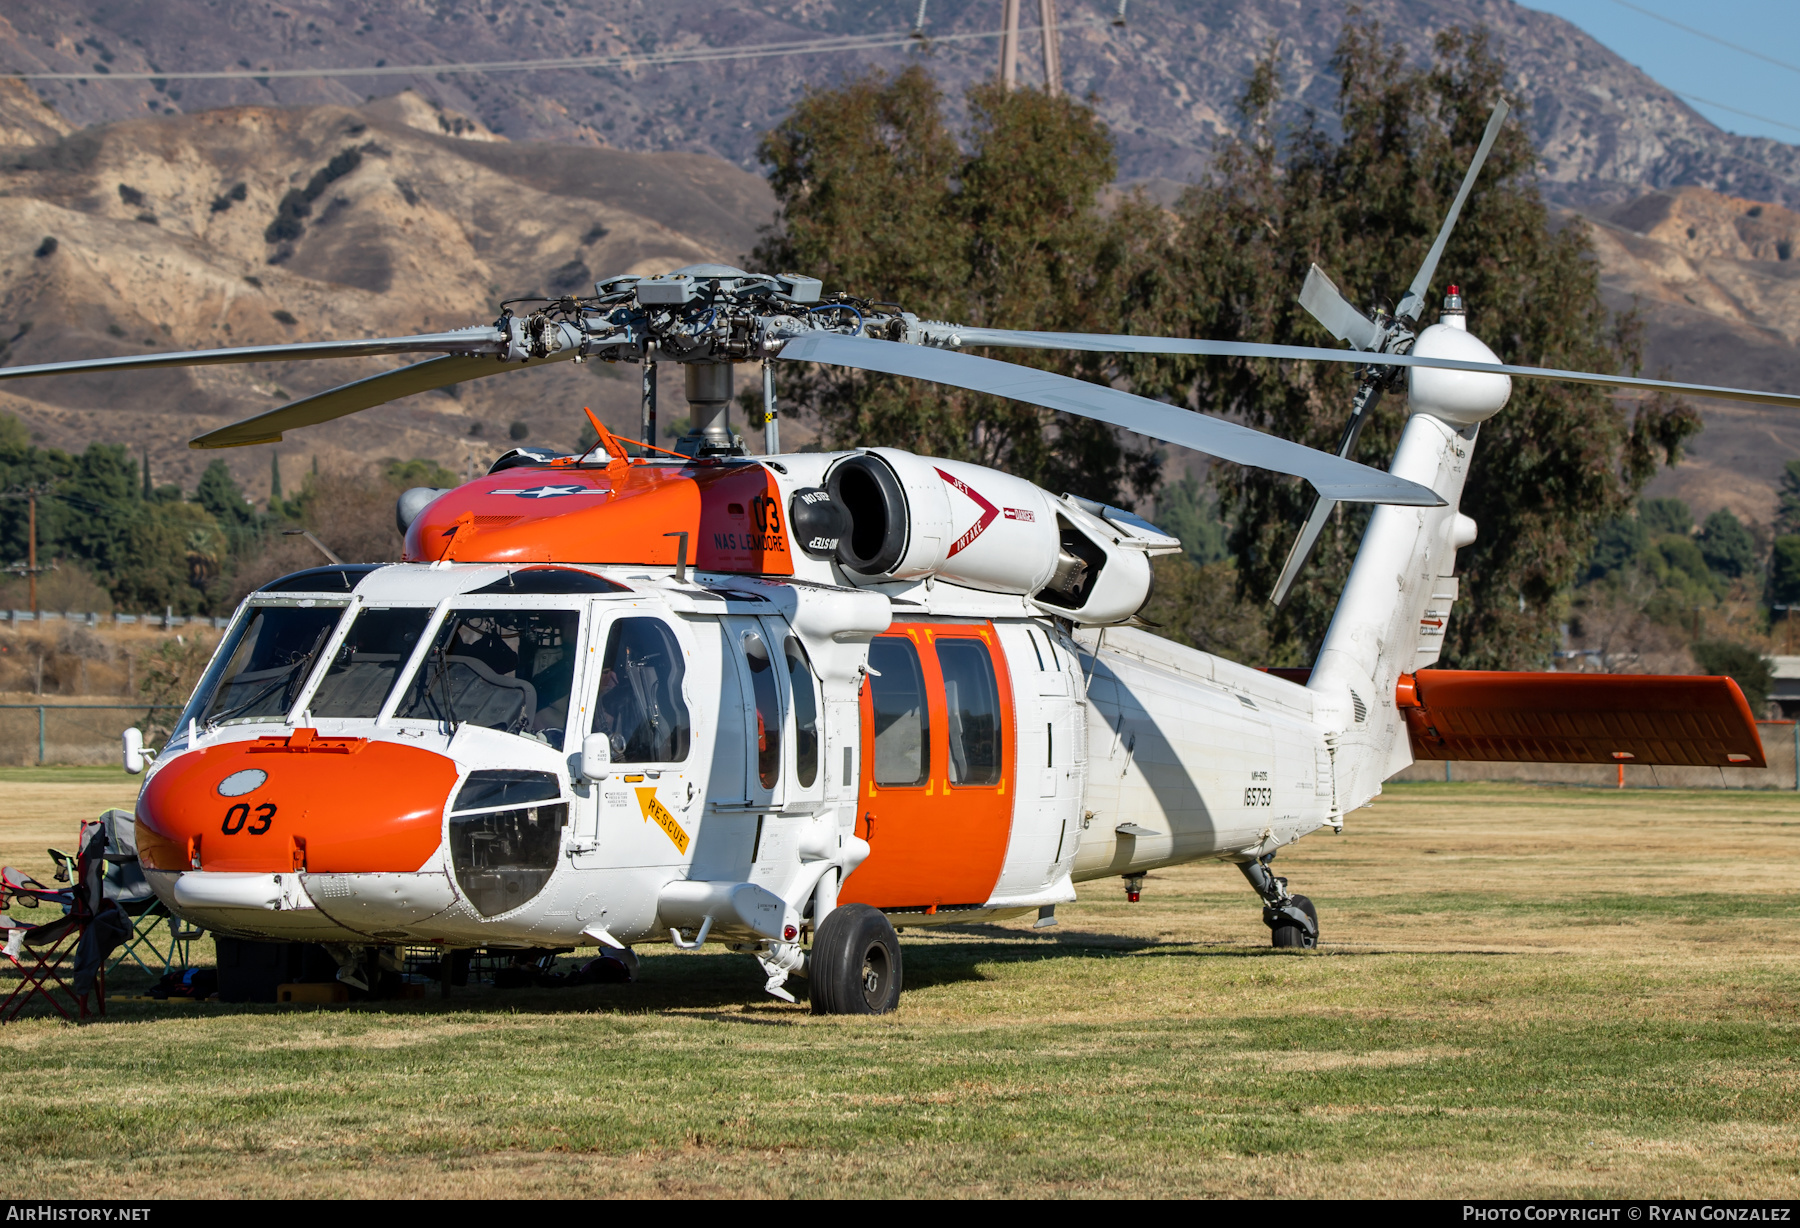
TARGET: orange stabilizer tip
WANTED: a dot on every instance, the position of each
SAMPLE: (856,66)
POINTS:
(1406,692)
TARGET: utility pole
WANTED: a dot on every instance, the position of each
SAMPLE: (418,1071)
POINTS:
(1052,48)
(1009,44)
(31,550)
(30,495)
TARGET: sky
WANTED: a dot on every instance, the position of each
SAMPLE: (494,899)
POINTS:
(1731,81)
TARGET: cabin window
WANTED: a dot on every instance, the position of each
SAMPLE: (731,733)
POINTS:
(367,664)
(902,721)
(503,857)
(259,673)
(640,708)
(768,709)
(806,714)
(509,670)
(972,705)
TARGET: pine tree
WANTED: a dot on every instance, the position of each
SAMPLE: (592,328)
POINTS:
(274,481)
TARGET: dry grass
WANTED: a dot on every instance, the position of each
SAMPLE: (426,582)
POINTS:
(1533,992)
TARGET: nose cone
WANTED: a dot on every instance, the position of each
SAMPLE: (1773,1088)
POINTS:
(325,805)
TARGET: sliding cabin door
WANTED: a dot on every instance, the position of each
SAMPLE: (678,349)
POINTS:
(938,768)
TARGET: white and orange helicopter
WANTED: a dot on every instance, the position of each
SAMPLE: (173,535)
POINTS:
(785,701)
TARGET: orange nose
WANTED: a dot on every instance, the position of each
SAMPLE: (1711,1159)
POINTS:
(327,805)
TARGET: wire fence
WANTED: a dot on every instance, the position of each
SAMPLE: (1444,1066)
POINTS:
(88,618)
(1781,747)
(36,734)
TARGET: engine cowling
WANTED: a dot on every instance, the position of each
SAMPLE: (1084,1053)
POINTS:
(910,517)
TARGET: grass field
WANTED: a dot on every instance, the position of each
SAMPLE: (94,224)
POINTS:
(1543,992)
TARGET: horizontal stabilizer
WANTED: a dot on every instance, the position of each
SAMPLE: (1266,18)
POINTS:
(1502,717)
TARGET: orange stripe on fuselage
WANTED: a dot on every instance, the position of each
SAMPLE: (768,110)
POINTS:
(378,809)
(731,513)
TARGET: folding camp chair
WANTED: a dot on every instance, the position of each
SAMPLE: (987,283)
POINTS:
(74,946)
(158,942)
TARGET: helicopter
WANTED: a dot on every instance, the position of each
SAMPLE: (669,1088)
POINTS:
(793,703)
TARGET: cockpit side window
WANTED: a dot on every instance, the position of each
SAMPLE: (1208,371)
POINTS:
(509,670)
(258,675)
(368,663)
(640,707)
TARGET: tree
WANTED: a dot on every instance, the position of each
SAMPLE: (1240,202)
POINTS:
(1727,545)
(1191,512)
(404,475)
(1784,571)
(1787,514)
(219,494)
(1619,544)
(878,199)
(1556,465)
(1745,666)
(1198,605)
(1665,516)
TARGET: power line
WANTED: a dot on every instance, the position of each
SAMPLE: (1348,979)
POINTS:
(1707,102)
(1711,38)
(694,55)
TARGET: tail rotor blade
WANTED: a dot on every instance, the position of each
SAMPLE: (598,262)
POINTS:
(1414,303)
(1326,304)
(1303,545)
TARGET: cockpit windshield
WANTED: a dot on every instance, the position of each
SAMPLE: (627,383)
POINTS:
(509,670)
(366,665)
(259,674)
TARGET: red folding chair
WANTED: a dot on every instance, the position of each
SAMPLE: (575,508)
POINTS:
(74,946)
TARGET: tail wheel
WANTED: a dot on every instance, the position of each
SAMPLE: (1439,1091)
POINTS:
(1293,935)
(855,968)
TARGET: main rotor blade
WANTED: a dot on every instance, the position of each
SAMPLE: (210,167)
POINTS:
(1414,302)
(1110,344)
(363,394)
(1327,304)
(481,340)
(1333,477)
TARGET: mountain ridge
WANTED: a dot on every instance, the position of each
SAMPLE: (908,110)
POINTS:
(1166,82)
(156,234)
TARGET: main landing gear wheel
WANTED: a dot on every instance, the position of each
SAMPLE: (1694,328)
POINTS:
(1293,935)
(855,966)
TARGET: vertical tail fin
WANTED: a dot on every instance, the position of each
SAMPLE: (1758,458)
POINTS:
(1396,604)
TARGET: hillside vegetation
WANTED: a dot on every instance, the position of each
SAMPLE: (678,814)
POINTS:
(255,225)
